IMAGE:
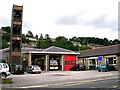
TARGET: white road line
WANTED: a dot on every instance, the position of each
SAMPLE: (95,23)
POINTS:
(34,86)
(73,84)
(67,83)
(92,87)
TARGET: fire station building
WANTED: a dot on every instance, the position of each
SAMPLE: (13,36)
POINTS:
(52,58)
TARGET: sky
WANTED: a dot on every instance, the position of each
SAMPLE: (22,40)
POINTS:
(69,18)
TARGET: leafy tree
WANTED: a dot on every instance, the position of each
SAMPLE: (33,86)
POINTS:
(6,29)
(106,42)
(41,36)
(3,44)
(28,41)
(47,36)
(23,38)
(84,47)
(116,41)
(77,48)
(63,42)
(73,38)
(29,34)
(36,37)
(44,44)
(6,37)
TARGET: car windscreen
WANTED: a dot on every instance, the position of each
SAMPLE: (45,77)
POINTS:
(18,66)
(37,67)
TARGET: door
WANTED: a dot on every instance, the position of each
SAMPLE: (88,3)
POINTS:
(70,61)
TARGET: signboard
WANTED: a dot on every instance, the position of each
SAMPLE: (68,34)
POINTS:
(99,58)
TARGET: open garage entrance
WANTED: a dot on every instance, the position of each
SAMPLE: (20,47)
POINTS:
(38,59)
(55,62)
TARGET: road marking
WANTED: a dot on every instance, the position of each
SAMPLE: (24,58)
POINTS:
(116,86)
(73,84)
(69,83)
(34,86)
(92,87)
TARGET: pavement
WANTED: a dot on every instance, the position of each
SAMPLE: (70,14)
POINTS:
(54,77)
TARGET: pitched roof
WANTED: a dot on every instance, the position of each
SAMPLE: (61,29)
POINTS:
(50,50)
(31,49)
(56,49)
(108,50)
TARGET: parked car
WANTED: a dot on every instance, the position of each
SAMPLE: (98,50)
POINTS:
(18,69)
(78,67)
(34,69)
(4,70)
(106,67)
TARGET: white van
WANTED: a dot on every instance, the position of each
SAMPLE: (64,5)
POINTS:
(4,70)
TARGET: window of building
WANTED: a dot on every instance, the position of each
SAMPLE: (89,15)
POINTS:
(111,60)
(92,61)
(65,62)
(68,62)
(72,62)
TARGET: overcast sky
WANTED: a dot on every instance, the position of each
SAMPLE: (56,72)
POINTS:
(80,18)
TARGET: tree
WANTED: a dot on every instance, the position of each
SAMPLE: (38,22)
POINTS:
(84,47)
(23,38)
(29,34)
(74,38)
(6,37)
(36,37)
(6,29)
(106,42)
(77,48)
(63,42)
(116,41)
(44,44)
(3,44)
(41,36)
(47,36)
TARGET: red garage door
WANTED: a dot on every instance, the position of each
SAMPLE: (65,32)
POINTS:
(70,60)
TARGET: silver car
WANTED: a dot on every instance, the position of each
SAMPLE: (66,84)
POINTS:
(34,69)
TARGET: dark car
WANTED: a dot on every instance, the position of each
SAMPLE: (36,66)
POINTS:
(78,67)
(18,69)
(106,67)
(34,69)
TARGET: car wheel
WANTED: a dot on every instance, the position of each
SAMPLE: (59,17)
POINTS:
(106,70)
(99,70)
(3,75)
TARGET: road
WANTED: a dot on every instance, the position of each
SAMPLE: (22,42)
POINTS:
(64,79)
(98,83)
(104,84)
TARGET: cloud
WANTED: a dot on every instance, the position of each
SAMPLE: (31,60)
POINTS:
(101,21)
(70,20)
(4,21)
(26,25)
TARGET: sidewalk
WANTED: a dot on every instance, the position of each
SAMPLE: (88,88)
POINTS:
(53,77)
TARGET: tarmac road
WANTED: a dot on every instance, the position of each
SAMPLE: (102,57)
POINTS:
(55,77)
